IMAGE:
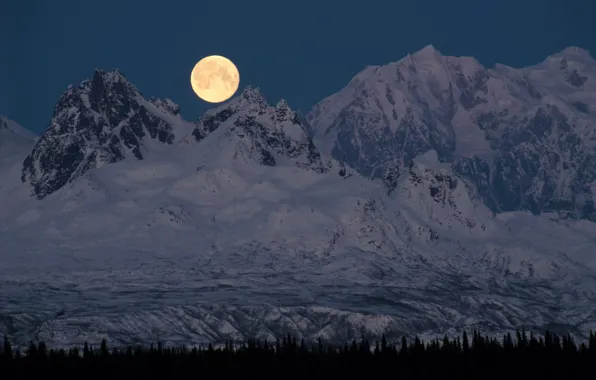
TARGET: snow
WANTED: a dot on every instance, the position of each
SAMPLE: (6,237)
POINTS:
(200,242)
(15,142)
(431,77)
(470,139)
(141,250)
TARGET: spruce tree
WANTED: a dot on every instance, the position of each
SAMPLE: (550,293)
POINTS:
(32,351)
(103,348)
(42,350)
(7,348)
(548,340)
(404,346)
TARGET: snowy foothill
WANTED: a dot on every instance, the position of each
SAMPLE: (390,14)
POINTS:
(371,216)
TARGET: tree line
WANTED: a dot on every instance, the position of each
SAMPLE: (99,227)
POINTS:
(521,356)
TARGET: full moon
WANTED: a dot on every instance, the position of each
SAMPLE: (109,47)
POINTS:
(215,79)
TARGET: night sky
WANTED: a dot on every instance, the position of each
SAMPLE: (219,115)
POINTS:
(302,50)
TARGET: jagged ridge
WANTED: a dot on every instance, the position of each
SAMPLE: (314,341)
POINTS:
(261,132)
(523,137)
(103,120)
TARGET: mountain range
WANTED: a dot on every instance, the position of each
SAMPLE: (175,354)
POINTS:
(428,196)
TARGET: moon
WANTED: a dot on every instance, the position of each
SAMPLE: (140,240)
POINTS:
(215,79)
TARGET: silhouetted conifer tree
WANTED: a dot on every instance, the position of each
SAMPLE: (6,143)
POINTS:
(7,348)
(404,346)
(103,349)
(540,357)
(32,351)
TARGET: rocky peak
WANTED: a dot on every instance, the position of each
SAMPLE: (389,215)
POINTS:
(429,52)
(108,86)
(283,113)
(253,98)
(575,52)
(110,77)
(282,105)
(102,120)
(261,132)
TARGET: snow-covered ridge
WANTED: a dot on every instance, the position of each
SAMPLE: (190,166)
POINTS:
(200,248)
(575,50)
(248,129)
(103,120)
(8,126)
(532,130)
(15,142)
(242,225)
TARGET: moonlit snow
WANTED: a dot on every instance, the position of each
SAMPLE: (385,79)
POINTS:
(239,226)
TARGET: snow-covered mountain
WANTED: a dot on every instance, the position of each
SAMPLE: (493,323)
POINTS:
(259,133)
(525,137)
(240,225)
(103,120)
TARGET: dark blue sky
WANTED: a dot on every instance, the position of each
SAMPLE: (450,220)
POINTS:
(300,50)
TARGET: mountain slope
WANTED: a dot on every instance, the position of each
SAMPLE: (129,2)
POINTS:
(260,133)
(242,227)
(14,140)
(15,143)
(154,249)
(524,137)
(103,120)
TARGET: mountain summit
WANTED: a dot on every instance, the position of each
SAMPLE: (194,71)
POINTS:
(103,120)
(248,129)
(242,223)
(526,138)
